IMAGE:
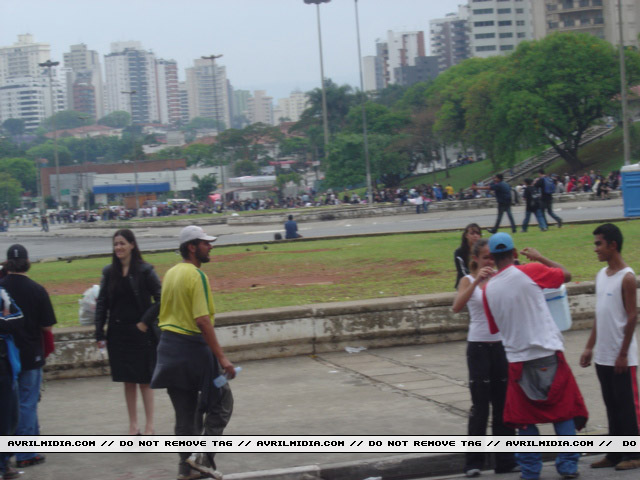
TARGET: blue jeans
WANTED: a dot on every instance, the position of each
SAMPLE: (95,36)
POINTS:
(541,220)
(502,208)
(29,390)
(531,463)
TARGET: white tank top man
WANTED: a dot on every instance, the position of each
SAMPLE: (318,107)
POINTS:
(616,351)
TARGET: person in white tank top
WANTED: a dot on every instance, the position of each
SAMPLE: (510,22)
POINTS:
(487,362)
(616,350)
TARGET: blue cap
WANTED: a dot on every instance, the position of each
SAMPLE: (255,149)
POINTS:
(500,242)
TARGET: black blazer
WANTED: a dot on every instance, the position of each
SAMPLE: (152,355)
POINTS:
(146,287)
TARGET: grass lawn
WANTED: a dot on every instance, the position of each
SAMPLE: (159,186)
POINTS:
(252,277)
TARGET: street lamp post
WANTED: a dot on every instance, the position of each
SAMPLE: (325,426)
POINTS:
(623,93)
(325,122)
(49,64)
(364,114)
(135,161)
(215,101)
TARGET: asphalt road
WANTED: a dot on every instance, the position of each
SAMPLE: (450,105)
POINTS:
(63,241)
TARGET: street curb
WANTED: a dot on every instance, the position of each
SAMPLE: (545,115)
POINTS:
(388,468)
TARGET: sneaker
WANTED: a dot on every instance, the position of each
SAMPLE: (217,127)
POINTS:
(603,463)
(185,472)
(569,476)
(628,464)
(491,231)
(196,464)
(29,462)
(10,473)
(472,472)
(560,223)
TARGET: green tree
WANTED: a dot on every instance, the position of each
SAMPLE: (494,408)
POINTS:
(13,126)
(46,150)
(204,186)
(10,190)
(65,120)
(556,101)
(21,169)
(197,154)
(117,119)
(245,167)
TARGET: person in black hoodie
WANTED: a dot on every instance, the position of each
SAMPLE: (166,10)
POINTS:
(532,199)
(127,289)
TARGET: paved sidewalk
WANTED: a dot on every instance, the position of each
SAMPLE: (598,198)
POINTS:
(413,390)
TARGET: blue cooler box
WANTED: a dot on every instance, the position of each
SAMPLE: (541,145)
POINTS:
(631,189)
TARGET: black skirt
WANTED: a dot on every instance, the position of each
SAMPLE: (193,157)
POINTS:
(132,353)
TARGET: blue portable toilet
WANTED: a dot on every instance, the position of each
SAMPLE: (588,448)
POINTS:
(631,189)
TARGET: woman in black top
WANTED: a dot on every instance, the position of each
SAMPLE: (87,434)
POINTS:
(471,234)
(127,289)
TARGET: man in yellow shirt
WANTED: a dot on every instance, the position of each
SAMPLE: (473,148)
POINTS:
(189,355)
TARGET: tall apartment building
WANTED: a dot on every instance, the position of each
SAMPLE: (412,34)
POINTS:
(400,50)
(239,108)
(449,38)
(596,17)
(84,81)
(291,108)
(403,49)
(131,82)
(21,59)
(184,102)
(169,108)
(29,99)
(25,87)
(208,92)
(497,26)
(260,108)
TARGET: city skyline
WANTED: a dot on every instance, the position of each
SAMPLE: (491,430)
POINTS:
(246,32)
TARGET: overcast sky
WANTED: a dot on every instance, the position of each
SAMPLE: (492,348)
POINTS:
(267,44)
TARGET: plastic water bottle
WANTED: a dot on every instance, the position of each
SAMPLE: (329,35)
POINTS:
(221,380)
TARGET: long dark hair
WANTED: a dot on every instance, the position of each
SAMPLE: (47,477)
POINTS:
(464,244)
(116,265)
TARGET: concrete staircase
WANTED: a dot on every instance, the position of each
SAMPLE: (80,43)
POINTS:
(531,165)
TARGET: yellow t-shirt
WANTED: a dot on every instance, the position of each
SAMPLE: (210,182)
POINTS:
(186,295)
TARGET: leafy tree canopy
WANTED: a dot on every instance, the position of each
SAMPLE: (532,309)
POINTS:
(65,120)
(21,169)
(117,119)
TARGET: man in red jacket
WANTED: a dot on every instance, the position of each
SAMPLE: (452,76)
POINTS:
(541,387)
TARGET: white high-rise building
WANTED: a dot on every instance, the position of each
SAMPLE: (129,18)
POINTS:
(168,92)
(25,87)
(208,92)
(497,26)
(291,108)
(260,108)
(21,59)
(403,48)
(29,99)
(131,82)
(84,81)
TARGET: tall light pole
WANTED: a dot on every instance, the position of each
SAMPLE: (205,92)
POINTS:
(135,160)
(49,64)
(623,91)
(325,121)
(364,114)
(215,101)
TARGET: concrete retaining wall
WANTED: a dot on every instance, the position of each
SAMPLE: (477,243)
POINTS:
(310,329)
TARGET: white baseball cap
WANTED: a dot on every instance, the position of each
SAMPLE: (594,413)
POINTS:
(192,232)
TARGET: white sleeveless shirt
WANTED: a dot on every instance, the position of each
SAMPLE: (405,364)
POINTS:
(478,325)
(611,318)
